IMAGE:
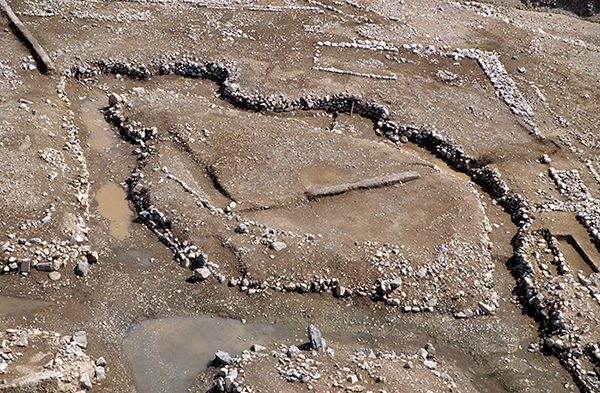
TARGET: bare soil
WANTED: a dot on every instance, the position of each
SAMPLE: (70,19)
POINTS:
(67,181)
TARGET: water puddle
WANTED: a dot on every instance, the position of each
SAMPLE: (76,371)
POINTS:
(112,205)
(426,155)
(100,136)
(166,354)
(143,259)
(16,305)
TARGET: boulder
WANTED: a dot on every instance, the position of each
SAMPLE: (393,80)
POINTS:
(92,257)
(202,273)
(82,268)
(114,99)
(316,338)
(85,382)
(80,338)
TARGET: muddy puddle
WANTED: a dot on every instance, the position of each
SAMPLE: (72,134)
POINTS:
(100,136)
(15,305)
(166,354)
(113,205)
(141,259)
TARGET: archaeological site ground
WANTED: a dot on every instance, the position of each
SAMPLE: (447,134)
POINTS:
(299,195)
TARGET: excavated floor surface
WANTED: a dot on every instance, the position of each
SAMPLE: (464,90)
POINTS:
(67,180)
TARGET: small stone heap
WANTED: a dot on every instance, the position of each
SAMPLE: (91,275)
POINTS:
(69,370)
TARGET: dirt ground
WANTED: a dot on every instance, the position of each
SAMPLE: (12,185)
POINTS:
(216,213)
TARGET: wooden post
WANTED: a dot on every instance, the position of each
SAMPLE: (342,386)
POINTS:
(45,64)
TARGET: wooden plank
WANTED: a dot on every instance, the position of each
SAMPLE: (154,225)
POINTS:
(374,182)
(45,64)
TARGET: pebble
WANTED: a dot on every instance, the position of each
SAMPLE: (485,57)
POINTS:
(54,276)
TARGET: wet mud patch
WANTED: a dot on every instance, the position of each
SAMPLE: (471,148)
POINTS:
(167,354)
(113,206)
(100,136)
(10,305)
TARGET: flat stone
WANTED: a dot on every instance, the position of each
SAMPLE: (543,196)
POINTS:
(278,246)
(80,338)
(54,276)
(430,364)
(38,382)
(464,314)
(486,309)
(21,341)
(202,273)
(44,267)
(356,388)
(25,266)
(223,357)
(431,302)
